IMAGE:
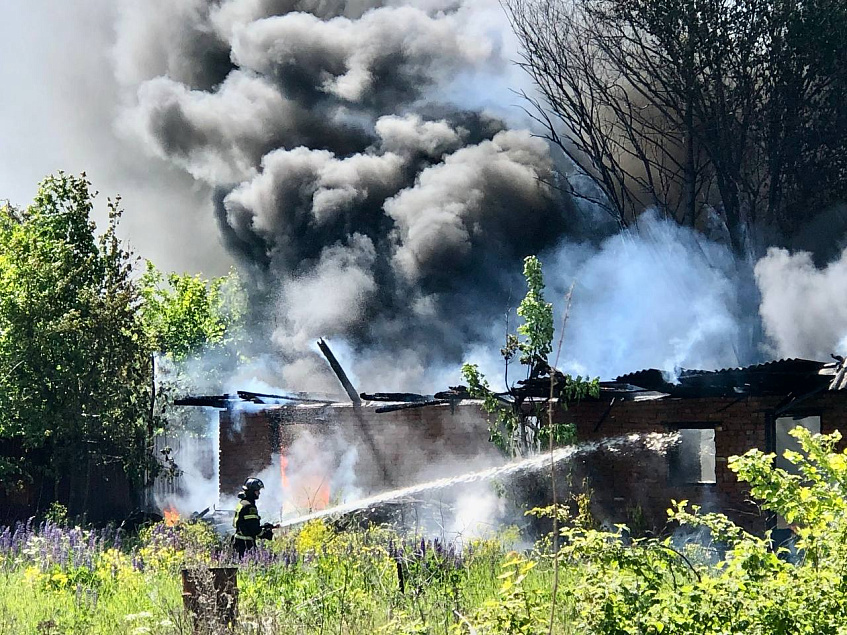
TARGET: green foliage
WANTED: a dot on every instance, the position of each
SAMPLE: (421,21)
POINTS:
(813,501)
(184,315)
(73,362)
(503,427)
(648,586)
(196,328)
(340,582)
(77,334)
(537,328)
(518,608)
(57,513)
(727,581)
(518,425)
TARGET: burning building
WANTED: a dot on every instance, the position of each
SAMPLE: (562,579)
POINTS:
(328,450)
(332,450)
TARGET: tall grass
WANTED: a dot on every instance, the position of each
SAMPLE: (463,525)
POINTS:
(56,579)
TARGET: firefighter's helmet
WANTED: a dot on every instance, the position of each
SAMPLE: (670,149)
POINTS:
(252,485)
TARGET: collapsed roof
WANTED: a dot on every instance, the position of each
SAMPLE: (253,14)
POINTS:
(794,378)
(780,377)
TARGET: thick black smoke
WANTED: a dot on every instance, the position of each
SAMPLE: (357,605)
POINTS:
(372,199)
(366,204)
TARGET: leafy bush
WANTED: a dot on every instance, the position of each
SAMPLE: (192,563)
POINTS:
(517,609)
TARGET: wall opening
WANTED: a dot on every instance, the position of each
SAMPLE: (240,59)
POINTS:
(692,460)
(784,441)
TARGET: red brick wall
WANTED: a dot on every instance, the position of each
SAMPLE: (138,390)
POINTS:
(246,446)
(408,443)
(411,443)
(626,483)
(639,480)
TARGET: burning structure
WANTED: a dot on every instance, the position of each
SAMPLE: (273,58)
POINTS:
(320,447)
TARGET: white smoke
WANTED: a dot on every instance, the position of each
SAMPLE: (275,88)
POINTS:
(478,512)
(195,453)
(659,296)
(804,308)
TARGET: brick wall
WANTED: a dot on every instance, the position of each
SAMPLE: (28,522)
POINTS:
(626,484)
(630,485)
(246,446)
(409,444)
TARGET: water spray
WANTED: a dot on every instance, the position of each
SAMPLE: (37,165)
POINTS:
(653,441)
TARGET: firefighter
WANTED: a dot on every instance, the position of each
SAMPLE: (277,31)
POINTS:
(248,526)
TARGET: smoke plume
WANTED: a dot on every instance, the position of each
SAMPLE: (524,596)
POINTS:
(365,163)
(374,201)
(804,308)
(366,201)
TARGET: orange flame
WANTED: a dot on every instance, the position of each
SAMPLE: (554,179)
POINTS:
(311,494)
(171,516)
(306,489)
(283,465)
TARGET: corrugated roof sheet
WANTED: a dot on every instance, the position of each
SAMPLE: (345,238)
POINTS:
(784,376)
(838,372)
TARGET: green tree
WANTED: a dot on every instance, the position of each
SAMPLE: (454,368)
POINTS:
(195,331)
(74,369)
(185,315)
(522,416)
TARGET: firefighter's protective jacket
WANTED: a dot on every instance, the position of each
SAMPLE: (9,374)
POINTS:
(247,523)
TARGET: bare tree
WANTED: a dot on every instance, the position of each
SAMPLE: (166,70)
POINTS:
(687,104)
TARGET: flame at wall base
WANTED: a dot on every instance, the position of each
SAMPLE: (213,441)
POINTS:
(171,515)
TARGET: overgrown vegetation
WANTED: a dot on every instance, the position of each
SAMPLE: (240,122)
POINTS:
(733,582)
(78,335)
(710,577)
(309,581)
(521,419)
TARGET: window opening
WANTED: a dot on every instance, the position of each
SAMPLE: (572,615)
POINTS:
(692,460)
(785,441)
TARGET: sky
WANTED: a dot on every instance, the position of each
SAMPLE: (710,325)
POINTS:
(54,57)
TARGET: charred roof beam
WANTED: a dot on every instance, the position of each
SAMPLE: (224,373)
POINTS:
(339,372)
